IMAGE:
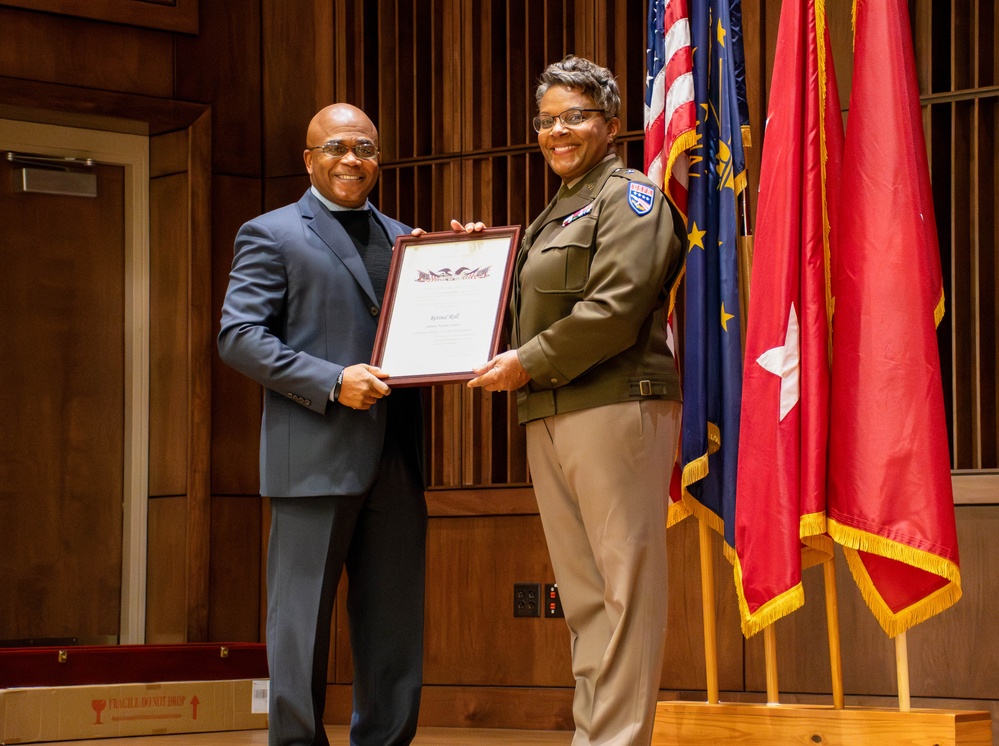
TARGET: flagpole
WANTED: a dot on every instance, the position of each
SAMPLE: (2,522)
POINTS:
(832,630)
(902,671)
(708,611)
(770,658)
(745,260)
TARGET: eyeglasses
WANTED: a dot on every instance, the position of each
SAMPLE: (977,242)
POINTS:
(336,149)
(569,118)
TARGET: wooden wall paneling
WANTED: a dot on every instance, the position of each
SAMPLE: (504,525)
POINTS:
(984,226)
(407,101)
(169,301)
(346,25)
(432,93)
(386,48)
(683,664)
(922,39)
(989,226)
(472,636)
(293,88)
(341,667)
(585,28)
(236,400)
(235,571)
(623,29)
(516,457)
(177,15)
(284,190)
(963,293)
(265,532)
(535,28)
(166,571)
(523,69)
(938,135)
(201,348)
(323,55)
(57,49)
(531,708)
(223,66)
(479,37)
(963,633)
(475,447)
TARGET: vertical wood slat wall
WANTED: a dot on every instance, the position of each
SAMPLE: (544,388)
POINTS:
(450,84)
(959,85)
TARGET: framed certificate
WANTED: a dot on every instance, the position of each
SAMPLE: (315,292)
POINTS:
(444,306)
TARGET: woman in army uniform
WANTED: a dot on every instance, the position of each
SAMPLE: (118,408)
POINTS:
(598,391)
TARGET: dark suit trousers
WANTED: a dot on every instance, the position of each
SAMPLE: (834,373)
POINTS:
(380,538)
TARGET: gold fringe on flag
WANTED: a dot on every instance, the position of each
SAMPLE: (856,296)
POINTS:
(771,611)
(854,540)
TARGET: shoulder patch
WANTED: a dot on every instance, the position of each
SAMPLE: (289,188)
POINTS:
(578,214)
(640,198)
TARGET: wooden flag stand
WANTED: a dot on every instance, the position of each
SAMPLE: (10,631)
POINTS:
(708,723)
(700,723)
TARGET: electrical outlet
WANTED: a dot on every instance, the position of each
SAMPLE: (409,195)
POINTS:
(553,604)
(527,599)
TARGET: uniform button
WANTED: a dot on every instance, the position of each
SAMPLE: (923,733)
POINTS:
(554,381)
(374,310)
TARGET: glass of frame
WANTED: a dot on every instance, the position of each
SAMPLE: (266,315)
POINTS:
(444,305)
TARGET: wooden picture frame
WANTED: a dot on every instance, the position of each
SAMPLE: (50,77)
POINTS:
(444,306)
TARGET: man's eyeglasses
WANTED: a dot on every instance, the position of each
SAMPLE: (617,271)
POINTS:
(569,118)
(336,149)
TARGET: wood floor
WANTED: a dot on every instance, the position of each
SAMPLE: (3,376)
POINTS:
(338,737)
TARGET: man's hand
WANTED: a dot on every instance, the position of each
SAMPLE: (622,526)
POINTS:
(362,386)
(503,373)
(455,225)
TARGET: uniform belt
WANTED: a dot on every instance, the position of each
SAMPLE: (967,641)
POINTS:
(648,388)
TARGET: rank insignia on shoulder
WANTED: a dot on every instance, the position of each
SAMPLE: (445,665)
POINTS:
(640,197)
(577,215)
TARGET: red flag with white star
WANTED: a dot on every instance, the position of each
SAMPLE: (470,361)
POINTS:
(780,504)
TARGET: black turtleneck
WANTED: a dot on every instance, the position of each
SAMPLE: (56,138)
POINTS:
(371,243)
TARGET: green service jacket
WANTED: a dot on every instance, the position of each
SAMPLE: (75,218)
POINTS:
(590,295)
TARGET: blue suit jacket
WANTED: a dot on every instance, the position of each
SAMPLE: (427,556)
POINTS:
(299,308)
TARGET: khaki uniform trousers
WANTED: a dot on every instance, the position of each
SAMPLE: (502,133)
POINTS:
(601,476)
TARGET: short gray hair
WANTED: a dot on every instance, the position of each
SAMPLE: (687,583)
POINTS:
(579,74)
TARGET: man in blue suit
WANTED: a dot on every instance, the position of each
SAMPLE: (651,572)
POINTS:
(339,458)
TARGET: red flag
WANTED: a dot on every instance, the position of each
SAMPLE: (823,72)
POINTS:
(670,131)
(780,504)
(890,497)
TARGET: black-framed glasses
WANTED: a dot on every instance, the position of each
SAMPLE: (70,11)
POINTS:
(336,149)
(569,118)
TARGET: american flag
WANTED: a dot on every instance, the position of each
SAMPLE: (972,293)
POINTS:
(670,129)
(670,112)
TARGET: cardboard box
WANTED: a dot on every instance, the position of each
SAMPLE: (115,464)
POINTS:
(33,714)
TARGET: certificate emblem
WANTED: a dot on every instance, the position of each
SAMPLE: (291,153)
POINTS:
(640,198)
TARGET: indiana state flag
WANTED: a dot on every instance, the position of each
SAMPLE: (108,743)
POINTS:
(712,332)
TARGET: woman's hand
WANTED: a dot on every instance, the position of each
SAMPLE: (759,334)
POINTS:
(467,227)
(503,373)
(455,225)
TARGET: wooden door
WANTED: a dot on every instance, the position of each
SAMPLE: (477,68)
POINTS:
(62,305)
